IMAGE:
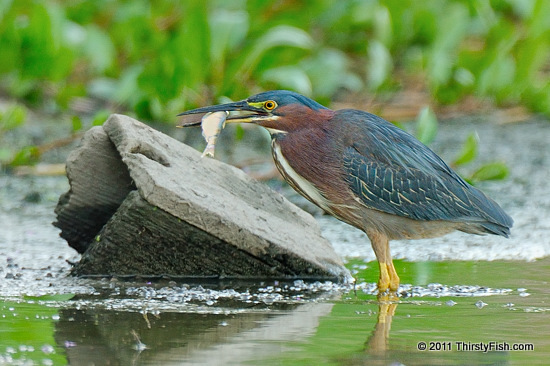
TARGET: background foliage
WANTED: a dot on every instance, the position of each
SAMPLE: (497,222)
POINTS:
(154,59)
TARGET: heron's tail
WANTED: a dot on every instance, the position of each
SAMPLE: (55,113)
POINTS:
(490,218)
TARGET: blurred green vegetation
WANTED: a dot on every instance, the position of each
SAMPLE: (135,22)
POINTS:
(155,59)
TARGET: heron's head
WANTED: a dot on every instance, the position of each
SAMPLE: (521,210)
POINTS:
(280,111)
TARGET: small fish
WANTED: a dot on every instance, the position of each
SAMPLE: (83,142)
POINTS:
(211,124)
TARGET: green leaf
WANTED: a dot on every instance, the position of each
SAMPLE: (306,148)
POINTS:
(5,155)
(442,56)
(43,55)
(99,48)
(426,125)
(188,56)
(469,150)
(239,132)
(229,29)
(379,65)
(499,76)
(279,36)
(13,117)
(399,124)
(490,171)
(383,25)
(127,88)
(100,117)
(340,76)
(464,77)
(76,123)
(289,77)
(28,155)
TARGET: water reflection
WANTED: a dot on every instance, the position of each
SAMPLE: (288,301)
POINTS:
(428,349)
(95,336)
(179,330)
(377,343)
(101,336)
(388,329)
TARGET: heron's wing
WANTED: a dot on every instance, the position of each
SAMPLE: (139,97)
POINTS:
(392,172)
(404,191)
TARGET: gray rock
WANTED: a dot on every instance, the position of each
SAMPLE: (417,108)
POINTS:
(142,203)
(99,183)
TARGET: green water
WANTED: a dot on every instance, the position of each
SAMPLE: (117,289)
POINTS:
(349,328)
(361,330)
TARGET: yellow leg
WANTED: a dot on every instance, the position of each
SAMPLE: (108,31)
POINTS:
(394,278)
(388,276)
(384,279)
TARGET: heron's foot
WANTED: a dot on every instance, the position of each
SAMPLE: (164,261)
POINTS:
(394,278)
(389,280)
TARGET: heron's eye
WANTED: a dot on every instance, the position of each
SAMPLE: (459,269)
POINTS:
(270,105)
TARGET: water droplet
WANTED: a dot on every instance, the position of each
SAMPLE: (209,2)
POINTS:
(69,344)
(480,304)
(47,349)
(140,346)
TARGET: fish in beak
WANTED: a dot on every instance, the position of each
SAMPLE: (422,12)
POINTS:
(239,112)
(213,119)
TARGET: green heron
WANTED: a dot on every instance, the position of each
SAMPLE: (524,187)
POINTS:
(367,172)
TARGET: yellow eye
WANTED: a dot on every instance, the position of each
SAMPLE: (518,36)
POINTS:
(270,105)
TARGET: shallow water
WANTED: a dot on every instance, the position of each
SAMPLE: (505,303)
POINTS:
(458,291)
(113,322)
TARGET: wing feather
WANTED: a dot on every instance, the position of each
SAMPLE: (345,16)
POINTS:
(392,172)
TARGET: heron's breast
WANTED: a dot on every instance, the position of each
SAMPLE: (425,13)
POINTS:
(297,181)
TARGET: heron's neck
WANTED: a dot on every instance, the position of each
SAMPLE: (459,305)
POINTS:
(276,134)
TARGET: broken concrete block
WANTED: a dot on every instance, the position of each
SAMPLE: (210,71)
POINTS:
(99,181)
(142,203)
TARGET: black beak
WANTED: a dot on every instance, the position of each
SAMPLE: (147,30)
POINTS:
(239,112)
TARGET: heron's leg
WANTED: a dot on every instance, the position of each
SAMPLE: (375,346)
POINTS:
(394,278)
(380,245)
